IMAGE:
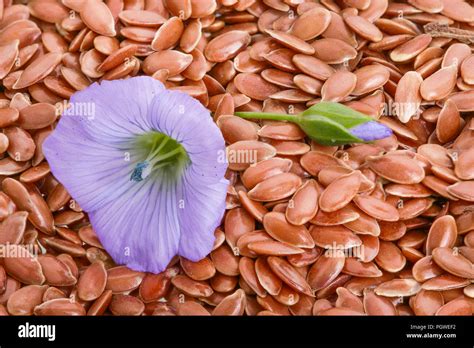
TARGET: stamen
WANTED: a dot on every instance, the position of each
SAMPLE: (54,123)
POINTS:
(158,159)
(162,155)
(159,148)
(140,172)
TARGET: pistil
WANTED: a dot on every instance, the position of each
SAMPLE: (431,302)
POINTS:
(165,156)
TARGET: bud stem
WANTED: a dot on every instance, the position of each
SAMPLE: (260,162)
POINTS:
(267,116)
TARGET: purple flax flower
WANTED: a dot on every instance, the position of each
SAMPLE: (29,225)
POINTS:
(370,131)
(146,168)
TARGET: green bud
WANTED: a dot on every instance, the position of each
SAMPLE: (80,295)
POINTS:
(326,122)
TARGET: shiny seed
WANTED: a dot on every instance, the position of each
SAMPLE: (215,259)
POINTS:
(311,23)
(97,16)
(410,49)
(325,270)
(451,261)
(92,282)
(304,204)
(399,169)
(340,192)
(279,228)
(226,46)
(408,96)
(289,275)
(313,66)
(443,233)
(376,208)
(254,86)
(440,84)
(370,78)
(276,187)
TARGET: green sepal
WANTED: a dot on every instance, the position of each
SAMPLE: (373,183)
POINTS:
(338,113)
(325,131)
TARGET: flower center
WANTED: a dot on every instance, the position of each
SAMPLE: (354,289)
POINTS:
(159,155)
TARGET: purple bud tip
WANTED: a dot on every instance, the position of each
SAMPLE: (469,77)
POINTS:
(371,131)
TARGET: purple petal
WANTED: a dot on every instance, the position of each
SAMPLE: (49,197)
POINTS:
(140,230)
(201,202)
(371,131)
(203,189)
(88,153)
(188,122)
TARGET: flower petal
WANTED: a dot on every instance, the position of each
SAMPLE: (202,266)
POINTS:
(188,122)
(89,154)
(204,207)
(120,108)
(141,229)
(203,188)
(371,131)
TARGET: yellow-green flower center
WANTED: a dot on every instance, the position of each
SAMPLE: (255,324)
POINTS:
(159,155)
